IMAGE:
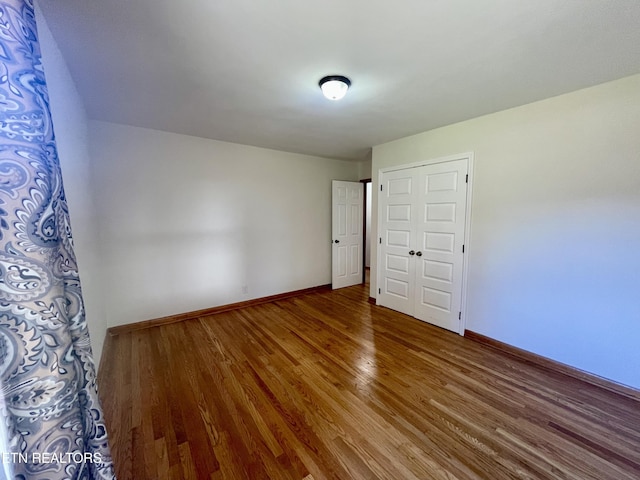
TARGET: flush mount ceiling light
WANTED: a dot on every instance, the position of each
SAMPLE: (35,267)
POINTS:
(334,87)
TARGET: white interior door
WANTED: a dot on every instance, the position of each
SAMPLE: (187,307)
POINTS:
(422,229)
(440,228)
(347,224)
(397,204)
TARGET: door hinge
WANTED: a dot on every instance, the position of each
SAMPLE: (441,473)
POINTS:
(462,248)
(459,315)
(380,240)
(466,180)
(380,187)
(379,291)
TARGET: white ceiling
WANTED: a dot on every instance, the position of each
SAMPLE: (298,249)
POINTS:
(246,71)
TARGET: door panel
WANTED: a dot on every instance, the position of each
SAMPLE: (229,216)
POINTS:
(435,242)
(440,229)
(397,200)
(347,207)
(341,210)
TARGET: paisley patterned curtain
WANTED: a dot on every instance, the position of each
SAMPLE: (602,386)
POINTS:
(51,419)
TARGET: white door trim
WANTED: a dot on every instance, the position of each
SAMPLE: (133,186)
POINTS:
(448,158)
(469,156)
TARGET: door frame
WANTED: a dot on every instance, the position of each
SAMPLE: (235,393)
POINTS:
(365,239)
(469,156)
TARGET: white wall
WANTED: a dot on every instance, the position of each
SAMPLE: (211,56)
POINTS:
(70,125)
(364,168)
(554,260)
(186,222)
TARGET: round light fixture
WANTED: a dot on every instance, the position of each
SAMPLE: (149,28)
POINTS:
(334,87)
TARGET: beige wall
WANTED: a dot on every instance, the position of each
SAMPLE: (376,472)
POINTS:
(186,222)
(554,260)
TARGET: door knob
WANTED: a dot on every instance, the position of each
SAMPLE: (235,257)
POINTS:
(419,254)
(336,241)
(412,252)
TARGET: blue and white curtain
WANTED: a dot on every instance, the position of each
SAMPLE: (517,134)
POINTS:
(51,422)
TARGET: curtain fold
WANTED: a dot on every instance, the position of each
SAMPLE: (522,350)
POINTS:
(51,416)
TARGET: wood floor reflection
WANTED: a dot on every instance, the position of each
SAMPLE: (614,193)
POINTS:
(331,386)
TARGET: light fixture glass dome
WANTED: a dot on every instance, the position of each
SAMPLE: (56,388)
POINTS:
(334,87)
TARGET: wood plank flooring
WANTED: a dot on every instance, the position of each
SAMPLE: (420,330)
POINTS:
(328,386)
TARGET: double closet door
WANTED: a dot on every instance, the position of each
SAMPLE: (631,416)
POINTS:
(422,232)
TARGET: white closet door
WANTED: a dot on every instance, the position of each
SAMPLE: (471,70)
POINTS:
(422,219)
(398,201)
(347,231)
(440,228)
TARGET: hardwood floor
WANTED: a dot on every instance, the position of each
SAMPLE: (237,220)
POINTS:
(329,386)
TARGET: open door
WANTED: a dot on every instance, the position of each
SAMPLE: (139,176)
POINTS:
(347,236)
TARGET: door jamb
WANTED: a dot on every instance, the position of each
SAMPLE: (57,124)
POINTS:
(364,229)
